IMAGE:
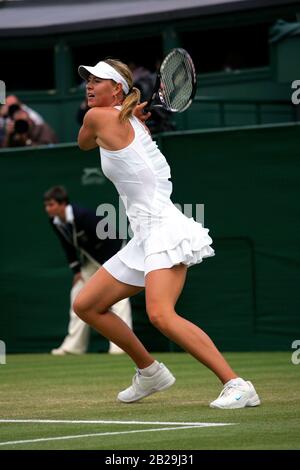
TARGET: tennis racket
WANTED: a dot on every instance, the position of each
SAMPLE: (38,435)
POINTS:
(176,83)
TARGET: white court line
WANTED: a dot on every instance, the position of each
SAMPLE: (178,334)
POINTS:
(101,421)
(61,438)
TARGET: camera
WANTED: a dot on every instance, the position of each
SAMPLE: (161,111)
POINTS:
(21,126)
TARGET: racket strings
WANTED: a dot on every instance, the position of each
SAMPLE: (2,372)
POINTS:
(177,82)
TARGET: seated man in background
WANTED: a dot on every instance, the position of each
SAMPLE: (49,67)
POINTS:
(85,252)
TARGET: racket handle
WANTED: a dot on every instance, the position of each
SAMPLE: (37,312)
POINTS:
(155,90)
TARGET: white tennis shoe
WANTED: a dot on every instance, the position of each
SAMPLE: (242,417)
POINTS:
(58,352)
(236,395)
(62,352)
(143,386)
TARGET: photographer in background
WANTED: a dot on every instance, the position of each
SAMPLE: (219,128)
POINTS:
(13,99)
(21,130)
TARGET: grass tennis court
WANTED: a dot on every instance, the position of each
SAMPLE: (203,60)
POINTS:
(84,388)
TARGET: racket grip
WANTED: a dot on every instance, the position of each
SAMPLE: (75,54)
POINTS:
(147,108)
(154,91)
(149,103)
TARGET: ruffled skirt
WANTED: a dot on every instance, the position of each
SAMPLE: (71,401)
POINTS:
(171,239)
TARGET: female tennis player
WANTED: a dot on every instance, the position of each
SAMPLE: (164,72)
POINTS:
(164,245)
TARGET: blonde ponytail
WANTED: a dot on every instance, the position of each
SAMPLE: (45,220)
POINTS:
(134,95)
(130,102)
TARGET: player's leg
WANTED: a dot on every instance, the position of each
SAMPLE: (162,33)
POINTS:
(76,341)
(123,310)
(163,288)
(92,305)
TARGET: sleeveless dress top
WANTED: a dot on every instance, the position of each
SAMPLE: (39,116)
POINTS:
(141,175)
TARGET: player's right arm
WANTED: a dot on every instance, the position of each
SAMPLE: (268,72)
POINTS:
(90,128)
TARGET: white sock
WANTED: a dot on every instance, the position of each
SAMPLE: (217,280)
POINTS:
(150,370)
(236,381)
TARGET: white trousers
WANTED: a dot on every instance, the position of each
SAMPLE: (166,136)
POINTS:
(77,339)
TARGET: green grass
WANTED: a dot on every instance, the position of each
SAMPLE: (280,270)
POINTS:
(85,388)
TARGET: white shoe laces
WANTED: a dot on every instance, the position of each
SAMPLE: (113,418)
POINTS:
(135,380)
(228,390)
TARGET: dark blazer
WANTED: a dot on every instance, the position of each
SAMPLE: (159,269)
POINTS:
(80,237)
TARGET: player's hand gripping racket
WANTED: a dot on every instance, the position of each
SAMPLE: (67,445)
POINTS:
(176,83)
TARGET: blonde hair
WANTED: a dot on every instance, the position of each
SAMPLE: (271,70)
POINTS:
(134,94)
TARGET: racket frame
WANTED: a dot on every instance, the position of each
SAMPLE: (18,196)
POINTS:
(157,86)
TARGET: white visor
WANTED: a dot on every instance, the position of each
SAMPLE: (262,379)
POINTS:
(105,71)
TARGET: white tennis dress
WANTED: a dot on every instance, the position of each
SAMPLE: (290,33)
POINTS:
(163,236)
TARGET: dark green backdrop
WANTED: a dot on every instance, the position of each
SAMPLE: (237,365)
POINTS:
(247,297)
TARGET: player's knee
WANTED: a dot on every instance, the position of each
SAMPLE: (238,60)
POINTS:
(159,315)
(81,306)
